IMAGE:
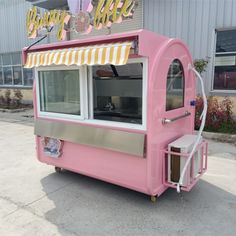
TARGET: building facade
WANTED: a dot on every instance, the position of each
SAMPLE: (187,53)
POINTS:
(208,27)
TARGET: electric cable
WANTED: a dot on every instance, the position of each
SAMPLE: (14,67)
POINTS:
(203,121)
(42,38)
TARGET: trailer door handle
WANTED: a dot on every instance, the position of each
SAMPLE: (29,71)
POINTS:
(166,121)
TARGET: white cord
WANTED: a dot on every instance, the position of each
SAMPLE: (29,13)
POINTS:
(203,120)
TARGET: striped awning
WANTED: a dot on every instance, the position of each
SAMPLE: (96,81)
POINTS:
(116,54)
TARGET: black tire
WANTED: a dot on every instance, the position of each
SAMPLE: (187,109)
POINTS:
(58,169)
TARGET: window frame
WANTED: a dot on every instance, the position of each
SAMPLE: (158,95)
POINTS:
(177,90)
(12,85)
(108,123)
(220,91)
(86,97)
(83,93)
(5,66)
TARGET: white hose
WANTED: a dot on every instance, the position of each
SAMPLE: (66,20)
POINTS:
(203,120)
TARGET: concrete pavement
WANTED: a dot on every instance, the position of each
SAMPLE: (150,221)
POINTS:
(34,200)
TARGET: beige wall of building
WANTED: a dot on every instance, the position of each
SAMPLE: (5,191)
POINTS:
(27,94)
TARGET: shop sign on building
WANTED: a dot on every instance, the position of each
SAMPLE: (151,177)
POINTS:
(84,15)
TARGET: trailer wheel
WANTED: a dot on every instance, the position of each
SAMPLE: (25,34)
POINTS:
(58,169)
(153,199)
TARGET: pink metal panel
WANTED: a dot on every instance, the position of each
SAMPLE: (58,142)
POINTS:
(144,175)
(160,135)
(114,167)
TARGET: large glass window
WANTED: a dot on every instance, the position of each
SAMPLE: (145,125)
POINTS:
(175,86)
(28,77)
(1,76)
(225,61)
(17,75)
(12,72)
(7,73)
(1,73)
(60,91)
(117,93)
(109,93)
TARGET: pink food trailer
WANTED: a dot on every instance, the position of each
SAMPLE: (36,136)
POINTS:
(119,108)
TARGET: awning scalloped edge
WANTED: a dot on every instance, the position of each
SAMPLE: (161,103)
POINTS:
(116,54)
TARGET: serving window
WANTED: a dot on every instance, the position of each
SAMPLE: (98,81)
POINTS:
(60,91)
(116,95)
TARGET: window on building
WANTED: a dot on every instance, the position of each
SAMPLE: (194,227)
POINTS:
(28,77)
(12,72)
(60,91)
(1,76)
(17,75)
(225,61)
(1,73)
(175,86)
(7,74)
(117,93)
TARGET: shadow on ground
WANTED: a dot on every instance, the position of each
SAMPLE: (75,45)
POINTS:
(86,206)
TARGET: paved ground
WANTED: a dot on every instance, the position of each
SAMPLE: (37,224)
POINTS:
(25,117)
(36,201)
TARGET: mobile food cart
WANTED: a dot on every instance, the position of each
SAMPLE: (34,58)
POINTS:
(119,108)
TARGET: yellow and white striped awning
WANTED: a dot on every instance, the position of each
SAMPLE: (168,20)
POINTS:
(116,54)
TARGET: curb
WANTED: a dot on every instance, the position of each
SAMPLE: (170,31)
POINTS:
(225,138)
